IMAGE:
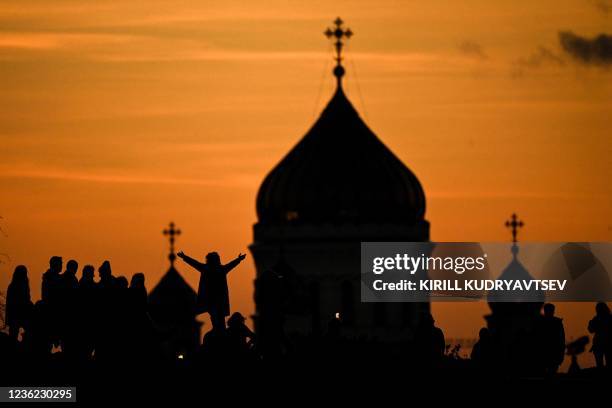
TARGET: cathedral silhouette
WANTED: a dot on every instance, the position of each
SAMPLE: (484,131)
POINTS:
(340,185)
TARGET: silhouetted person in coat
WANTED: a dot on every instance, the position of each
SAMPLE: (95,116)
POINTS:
(51,297)
(601,327)
(69,277)
(106,305)
(140,333)
(213,294)
(122,283)
(483,351)
(68,308)
(553,339)
(107,280)
(138,293)
(87,278)
(18,302)
(87,313)
(51,281)
(121,301)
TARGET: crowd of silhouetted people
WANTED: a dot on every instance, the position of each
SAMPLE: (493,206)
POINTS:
(105,320)
(88,320)
(548,346)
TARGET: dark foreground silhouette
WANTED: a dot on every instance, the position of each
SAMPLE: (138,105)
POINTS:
(83,331)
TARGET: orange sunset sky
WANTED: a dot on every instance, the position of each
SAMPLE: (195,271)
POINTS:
(117,117)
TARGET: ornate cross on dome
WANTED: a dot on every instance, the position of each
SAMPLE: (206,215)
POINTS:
(171,232)
(338,34)
(514,224)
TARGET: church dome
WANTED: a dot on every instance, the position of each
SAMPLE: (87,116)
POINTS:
(515,301)
(340,172)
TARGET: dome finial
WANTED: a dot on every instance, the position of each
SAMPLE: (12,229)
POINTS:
(171,232)
(514,224)
(338,34)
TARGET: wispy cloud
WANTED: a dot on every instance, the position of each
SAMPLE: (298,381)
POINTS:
(472,49)
(127,48)
(504,195)
(219,147)
(55,41)
(205,55)
(541,57)
(588,51)
(237,180)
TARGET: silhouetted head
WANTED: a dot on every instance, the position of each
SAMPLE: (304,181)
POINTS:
(602,309)
(212,258)
(484,334)
(88,273)
(72,267)
(55,264)
(549,310)
(122,282)
(138,281)
(20,276)
(105,270)
(236,319)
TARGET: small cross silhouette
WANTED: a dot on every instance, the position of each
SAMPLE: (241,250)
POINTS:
(171,232)
(514,224)
(338,34)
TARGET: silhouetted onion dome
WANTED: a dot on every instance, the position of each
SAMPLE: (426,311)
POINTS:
(515,272)
(516,303)
(340,172)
